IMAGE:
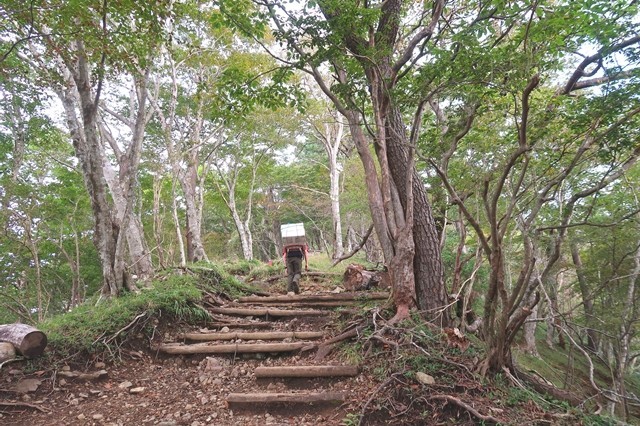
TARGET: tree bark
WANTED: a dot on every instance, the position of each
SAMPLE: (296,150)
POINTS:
(89,152)
(430,291)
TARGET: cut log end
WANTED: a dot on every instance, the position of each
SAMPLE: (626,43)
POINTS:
(33,344)
(27,340)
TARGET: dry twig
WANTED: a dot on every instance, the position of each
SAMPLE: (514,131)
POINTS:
(23,404)
(464,405)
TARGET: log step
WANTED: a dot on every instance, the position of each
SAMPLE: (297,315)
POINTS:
(307,371)
(315,297)
(240,324)
(232,348)
(311,304)
(273,335)
(268,312)
(271,398)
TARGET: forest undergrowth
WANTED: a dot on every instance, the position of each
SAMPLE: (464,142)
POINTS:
(415,373)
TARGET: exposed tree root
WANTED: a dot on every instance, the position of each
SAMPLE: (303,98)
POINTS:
(22,404)
(464,405)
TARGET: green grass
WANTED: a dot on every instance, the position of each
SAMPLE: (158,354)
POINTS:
(216,279)
(100,326)
(87,327)
(568,368)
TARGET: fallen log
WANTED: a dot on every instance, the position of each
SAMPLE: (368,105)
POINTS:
(357,278)
(315,297)
(7,351)
(28,341)
(541,387)
(308,371)
(273,335)
(231,348)
(268,312)
(268,398)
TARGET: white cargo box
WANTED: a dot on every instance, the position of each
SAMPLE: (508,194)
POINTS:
(292,230)
(293,233)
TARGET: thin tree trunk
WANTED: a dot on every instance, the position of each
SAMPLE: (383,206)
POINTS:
(331,140)
(587,302)
(176,221)
(157,221)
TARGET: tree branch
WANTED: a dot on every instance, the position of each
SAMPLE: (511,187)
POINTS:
(601,54)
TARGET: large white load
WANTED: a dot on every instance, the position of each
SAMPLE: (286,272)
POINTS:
(293,233)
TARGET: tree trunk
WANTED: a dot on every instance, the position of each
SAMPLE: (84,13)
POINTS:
(89,153)
(158,236)
(187,175)
(176,222)
(430,290)
(530,333)
(139,254)
(587,301)
(195,248)
(331,141)
(626,334)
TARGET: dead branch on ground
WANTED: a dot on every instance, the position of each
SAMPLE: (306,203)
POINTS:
(23,404)
(464,405)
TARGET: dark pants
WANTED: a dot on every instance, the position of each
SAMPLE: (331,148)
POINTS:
(294,269)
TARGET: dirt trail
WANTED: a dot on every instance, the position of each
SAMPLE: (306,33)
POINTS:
(242,370)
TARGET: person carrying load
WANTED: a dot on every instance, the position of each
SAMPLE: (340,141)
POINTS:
(293,255)
(294,249)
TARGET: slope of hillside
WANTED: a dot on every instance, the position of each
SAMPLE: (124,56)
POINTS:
(216,357)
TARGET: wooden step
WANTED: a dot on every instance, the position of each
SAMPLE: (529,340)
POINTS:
(305,371)
(315,297)
(311,304)
(254,324)
(299,397)
(257,312)
(232,348)
(267,335)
